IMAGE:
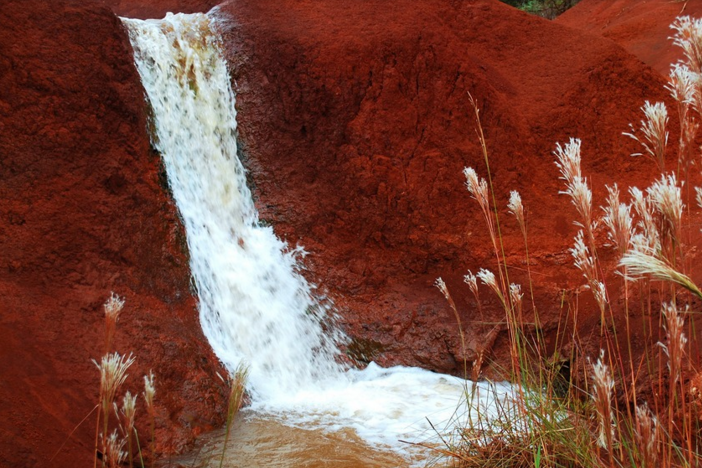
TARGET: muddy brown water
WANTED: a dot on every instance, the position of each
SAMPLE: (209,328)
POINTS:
(258,442)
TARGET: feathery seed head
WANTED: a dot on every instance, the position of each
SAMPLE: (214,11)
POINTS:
(439,283)
(516,208)
(603,386)
(477,187)
(472,282)
(600,293)
(665,198)
(583,260)
(568,160)
(618,220)
(113,373)
(646,434)
(129,410)
(688,36)
(655,135)
(681,84)
(685,87)
(515,293)
(647,224)
(698,197)
(113,306)
(675,340)
(641,261)
(149,391)
(114,453)
(488,279)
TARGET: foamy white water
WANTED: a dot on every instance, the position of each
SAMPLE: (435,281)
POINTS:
(255,308)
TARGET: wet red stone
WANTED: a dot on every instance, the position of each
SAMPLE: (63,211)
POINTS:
(83,212)
(356,125)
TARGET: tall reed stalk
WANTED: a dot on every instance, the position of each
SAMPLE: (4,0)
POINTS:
(638,426)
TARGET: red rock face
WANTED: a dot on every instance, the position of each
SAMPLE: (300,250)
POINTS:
(642,28)
(355,124)
(84,211)
(145,9)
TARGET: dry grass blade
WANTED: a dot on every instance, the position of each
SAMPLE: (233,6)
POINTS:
(641,263)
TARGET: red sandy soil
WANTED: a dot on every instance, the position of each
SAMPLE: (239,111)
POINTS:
(356,124)
(640,26)
(83,212)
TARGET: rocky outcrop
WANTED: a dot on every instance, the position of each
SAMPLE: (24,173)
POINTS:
(84,211)
(356,123)
(642,28)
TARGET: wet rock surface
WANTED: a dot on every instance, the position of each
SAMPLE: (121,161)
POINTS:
(356,123)
(84,211)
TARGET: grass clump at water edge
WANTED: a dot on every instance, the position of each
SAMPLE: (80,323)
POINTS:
(626,406)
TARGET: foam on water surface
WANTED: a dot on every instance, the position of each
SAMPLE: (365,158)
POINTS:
(255,307)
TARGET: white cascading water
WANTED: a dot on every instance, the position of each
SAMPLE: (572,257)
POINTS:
(255,308)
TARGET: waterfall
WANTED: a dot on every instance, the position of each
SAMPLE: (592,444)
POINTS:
(255,308)
(237,265)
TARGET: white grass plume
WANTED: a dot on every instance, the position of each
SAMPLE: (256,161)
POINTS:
(685,87)
(478,188)
(149,391)
(113,373)
(649,235)
(113,307)
(114,453)
(666,200)
(674,347)
(642,262)
(603,386)
(646,436)
(688,36)
(583,259)
(516,207)
(617,219)
(655,135)
(472,282)
(488,279)
(568,160)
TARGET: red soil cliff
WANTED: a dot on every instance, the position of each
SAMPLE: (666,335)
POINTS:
(84,211)
(641,27)
(356,124)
